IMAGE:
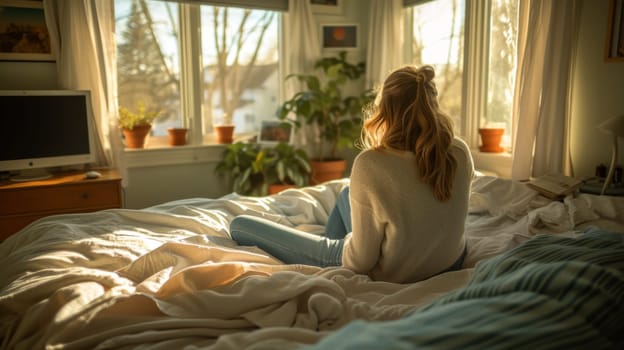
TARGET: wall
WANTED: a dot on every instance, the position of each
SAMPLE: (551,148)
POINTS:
(147,186)
(27,75)
(598,87)
(352,12)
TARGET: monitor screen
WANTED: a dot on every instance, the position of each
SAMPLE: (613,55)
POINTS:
(44,129)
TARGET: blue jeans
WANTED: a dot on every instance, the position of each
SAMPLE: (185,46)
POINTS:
(293,246)
(339,220)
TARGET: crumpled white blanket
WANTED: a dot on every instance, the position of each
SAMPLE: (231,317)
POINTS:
(170,277)
(513,199)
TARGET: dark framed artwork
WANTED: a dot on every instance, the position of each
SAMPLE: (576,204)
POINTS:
(614,50)
(339,36)
(330,7)
(23,32)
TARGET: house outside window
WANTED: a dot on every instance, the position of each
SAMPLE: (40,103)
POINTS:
(158,51)
(240,62)
(472,46)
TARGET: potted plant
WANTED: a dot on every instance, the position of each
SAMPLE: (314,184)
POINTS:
(284,166)
(177,136)
(136,126)
(324,106)
(255,169)
(236,162)
(491,138)
(225,129)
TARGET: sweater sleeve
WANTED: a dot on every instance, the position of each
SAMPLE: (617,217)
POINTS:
(362,248)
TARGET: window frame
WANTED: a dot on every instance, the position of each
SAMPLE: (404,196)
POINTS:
(476,57)
(475,88)
(190,61)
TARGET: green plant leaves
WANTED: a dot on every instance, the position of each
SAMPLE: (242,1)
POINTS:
(128,119)
(324,105)
(252,168)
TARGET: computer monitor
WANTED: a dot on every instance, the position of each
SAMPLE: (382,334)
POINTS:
(43,129)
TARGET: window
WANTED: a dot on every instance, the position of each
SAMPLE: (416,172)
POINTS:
(158,63)
(475,77)
(148,59)
(502,65)
(240,56)
(438,40)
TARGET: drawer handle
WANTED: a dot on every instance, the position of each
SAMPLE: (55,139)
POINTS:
(85,195)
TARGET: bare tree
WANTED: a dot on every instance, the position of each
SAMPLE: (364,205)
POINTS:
(502,60)
(452,72)
(231,74)
(146,74)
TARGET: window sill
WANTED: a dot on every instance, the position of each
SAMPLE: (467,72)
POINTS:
(158,152)
(499,163)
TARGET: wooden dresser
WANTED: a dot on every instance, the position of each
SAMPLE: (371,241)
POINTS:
(67,192)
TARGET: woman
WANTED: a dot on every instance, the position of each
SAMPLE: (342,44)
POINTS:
(402,220)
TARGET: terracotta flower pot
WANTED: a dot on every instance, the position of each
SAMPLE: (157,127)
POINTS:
(327,170)
(491,139)
(177,136)
(225,133)
(135,137)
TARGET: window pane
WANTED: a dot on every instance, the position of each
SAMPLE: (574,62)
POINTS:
(147,59)
(502,66)
(438,40)
(240,61)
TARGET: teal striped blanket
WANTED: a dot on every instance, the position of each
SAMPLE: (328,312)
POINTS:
(551,292)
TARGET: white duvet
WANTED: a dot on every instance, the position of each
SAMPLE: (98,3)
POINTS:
(168,277)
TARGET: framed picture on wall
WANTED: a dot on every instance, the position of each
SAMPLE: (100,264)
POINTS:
(23,32)
(339,36)
(614,50)
(330,7)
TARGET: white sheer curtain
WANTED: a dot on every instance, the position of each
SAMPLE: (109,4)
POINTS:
(300,50)
(301,44)
(82,36)
(385,40)
(547,40)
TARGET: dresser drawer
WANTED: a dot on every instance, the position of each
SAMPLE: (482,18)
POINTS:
(66,192)
(79,196)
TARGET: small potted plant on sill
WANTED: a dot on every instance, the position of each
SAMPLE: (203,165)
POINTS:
(491,137)
(334,116)
(259,171)
(177,136)
(224,130)
(136,125)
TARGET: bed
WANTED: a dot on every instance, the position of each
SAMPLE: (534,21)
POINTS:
(541,273)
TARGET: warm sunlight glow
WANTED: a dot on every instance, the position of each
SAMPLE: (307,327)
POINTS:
(435,30)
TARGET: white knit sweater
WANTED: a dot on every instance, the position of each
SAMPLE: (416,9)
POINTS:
(401,233)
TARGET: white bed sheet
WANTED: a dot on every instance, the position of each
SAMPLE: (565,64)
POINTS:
(169,276)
